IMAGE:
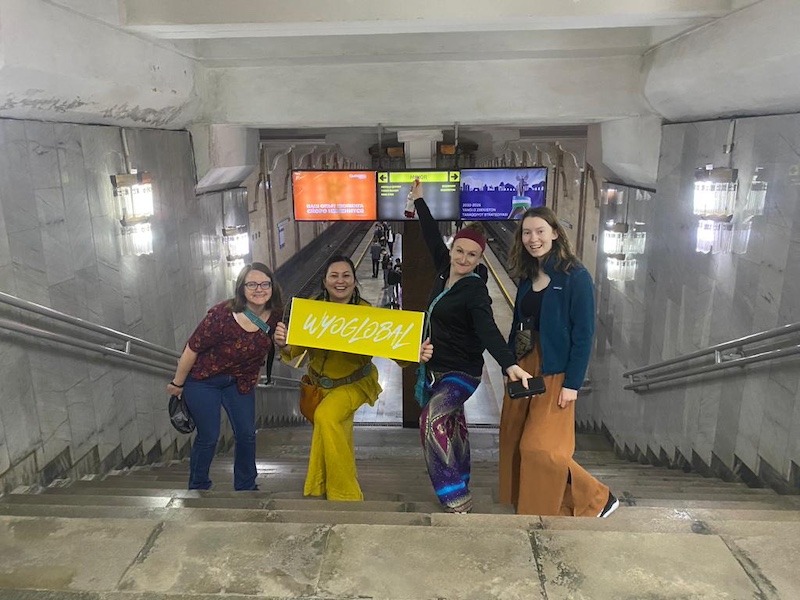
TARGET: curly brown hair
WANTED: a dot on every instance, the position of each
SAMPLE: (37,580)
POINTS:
(522,265)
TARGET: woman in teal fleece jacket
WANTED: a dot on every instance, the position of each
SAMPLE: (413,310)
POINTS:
(554,307)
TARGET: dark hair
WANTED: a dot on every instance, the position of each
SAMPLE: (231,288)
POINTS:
(239,302)
(522,265)
(323,295)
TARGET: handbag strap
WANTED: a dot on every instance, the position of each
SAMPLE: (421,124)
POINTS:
(433,303)
(256,320)
(420,390)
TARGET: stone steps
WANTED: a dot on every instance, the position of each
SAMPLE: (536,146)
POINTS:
(149,558)
(676,535)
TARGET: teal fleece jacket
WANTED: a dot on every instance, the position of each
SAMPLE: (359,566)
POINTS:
(566,324)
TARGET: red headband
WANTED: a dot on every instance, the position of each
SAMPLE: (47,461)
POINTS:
(473,235)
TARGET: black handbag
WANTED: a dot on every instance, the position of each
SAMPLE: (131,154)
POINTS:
(179,415)
(525,339)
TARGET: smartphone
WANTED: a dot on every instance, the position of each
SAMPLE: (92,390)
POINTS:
(535,388)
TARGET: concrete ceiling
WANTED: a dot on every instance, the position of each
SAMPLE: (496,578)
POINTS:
(311,63)
(246,33)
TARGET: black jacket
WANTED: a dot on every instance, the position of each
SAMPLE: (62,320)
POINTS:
(462,324)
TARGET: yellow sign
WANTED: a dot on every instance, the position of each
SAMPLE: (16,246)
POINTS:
(356,329)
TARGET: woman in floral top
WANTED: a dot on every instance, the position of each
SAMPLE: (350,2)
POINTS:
(220,367)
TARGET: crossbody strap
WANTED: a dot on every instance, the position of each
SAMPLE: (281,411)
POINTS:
(433,304)
(256,320)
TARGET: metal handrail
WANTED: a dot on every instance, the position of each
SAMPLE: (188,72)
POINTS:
(280,383)
(653,374)
(87,325)
(95,347)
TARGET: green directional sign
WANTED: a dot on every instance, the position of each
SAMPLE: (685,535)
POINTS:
(440,189)
(423,176)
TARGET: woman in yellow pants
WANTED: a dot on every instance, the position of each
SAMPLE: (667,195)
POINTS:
(349,380)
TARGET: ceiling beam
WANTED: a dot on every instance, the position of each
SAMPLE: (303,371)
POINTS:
(187,19)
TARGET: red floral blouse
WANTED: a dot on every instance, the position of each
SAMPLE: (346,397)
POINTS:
(224,348)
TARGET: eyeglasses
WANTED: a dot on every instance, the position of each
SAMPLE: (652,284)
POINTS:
(254,285)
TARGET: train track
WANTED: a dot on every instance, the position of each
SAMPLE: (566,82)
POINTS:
(500,237)
(301,276)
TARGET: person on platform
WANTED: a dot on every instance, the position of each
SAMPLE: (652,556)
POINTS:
(461,326)
(395,280)
(389,238)
(386,264)
(350,380)
(552,335)
(375,250)
(219,368)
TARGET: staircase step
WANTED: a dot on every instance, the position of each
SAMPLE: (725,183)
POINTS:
(87,499)
(239,515)
(282,560)
(776,503)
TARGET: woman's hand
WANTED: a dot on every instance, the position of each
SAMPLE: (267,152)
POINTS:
(280,335)
(174,390)
(185,364)
(425,351)
(566,396)
(515,373)
(416,189)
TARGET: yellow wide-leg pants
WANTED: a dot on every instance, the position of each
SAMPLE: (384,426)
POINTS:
(332,462)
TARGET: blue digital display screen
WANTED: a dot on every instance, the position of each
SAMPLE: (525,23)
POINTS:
(501,194)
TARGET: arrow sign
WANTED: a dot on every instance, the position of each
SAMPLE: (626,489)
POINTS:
(383,178)
(455,176)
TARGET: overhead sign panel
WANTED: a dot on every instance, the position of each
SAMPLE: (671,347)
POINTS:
(440,191)
(334,195)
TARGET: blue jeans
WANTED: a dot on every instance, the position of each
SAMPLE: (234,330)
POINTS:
(204,398)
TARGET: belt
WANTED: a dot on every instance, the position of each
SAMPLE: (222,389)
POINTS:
(328,383)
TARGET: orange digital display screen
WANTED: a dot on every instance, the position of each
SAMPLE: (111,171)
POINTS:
(334,195)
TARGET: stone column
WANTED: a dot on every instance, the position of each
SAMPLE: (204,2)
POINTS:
(418,271)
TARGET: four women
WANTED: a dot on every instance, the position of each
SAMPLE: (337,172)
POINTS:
(552,335)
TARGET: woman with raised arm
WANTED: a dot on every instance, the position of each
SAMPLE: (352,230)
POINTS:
(219,368)
(552,336)
(348,381)
(461,327)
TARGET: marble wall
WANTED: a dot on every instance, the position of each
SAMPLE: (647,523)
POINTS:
(681,300)
(63,410)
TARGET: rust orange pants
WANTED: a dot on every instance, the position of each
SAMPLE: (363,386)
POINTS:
(537,441)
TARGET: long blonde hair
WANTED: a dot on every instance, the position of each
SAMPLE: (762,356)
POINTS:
(522,265)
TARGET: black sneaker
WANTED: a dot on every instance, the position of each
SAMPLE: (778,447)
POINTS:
(610,507)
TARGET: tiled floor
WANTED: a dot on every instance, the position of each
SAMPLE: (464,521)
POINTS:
(483,409)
